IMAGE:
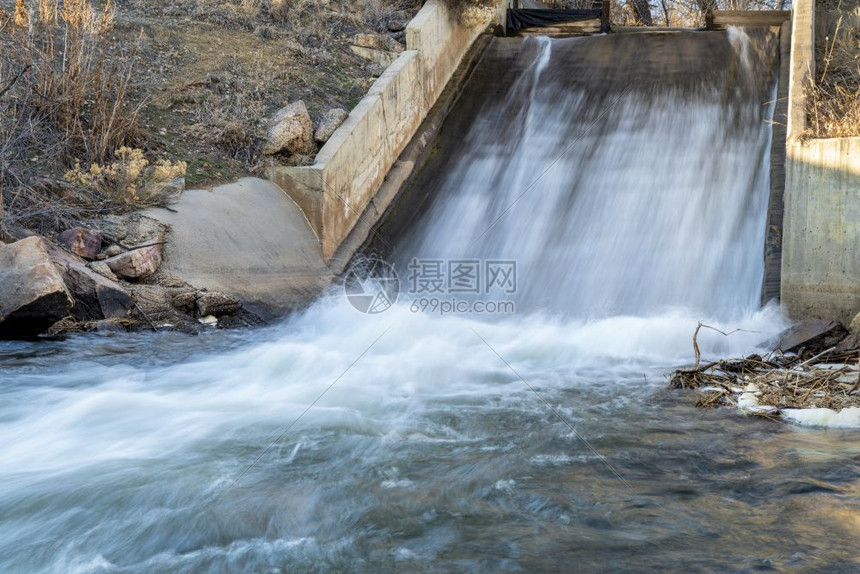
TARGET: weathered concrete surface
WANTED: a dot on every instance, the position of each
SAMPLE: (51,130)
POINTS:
(350,168)
(776,207)
(821,233)
(366,231)
(247,239)
(802,66)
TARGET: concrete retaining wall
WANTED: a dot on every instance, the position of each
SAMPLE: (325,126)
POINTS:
(821,233)
(352,165)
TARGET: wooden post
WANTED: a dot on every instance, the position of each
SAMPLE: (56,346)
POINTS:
(605,11)
(709,20)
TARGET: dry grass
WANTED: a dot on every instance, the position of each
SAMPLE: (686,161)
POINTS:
(69,83)
(64,97)
(833,102)
(190,80)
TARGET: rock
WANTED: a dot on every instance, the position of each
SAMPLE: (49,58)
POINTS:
(291,131)
(217,304)
(81,242)
(96,297)
(812,337)
(854,327)
(377,48)
(32,293)
(397,25)
(208,320)
(377,42)
(185,302)
(329,123)
(131,229)
(102,269)
(138,263)
(170,190)
(112,251)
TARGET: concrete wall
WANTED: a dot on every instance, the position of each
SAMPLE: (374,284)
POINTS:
(352,165)
(821,233)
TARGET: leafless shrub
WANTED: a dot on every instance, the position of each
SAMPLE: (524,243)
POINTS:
(833,103)
(64,97)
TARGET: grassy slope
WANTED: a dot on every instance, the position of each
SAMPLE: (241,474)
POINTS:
(211,71)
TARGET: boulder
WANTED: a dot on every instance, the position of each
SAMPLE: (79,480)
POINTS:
(32,293)
(96,297)
(170,190)
(290,131)
(811,337)
(130,229)
(329,123)
(137,263)
(216,304)
(81,242)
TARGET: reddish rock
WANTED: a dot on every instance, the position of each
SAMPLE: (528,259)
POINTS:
(137,263)
(32,293)
(81,242)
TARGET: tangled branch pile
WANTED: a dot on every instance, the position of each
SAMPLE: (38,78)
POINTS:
(779,382)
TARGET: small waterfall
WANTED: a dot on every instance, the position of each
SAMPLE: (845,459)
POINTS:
(627,176)
(615,192)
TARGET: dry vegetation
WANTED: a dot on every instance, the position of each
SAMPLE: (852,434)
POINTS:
(682,13)
(822,372)
(64,98)
(176,80)
(780,382)
(833,103)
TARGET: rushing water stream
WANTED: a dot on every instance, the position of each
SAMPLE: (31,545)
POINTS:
(540,440)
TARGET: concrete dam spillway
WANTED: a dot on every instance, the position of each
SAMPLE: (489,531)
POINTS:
(624,174)
(627,177)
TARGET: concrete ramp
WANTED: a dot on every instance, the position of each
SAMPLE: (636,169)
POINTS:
(248,239)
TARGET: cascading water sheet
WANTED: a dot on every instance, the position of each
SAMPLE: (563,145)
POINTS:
(617,194)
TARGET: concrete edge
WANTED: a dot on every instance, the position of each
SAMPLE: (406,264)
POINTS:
(439,45)
(802,66)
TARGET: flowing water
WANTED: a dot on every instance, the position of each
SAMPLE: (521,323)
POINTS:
(541,440)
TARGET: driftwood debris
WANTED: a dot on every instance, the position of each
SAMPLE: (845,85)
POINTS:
(763,385)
